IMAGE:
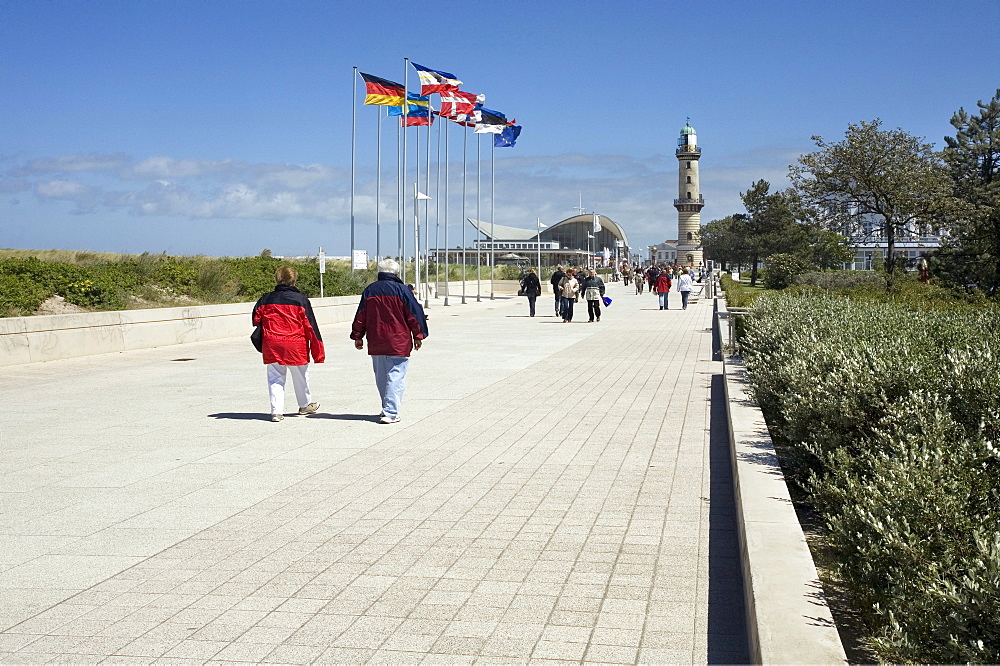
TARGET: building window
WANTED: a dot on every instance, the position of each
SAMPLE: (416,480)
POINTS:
(689,195)
(688,165)
(689,179)
(690,236)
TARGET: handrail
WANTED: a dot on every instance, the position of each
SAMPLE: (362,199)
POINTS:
(731,314)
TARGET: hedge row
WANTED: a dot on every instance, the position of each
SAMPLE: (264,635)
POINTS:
(892,417)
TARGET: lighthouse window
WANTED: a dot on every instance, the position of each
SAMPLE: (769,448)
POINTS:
(690,236)
(688,165)
(689,195)
(689,179)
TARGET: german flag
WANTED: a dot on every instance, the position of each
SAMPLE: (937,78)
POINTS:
(382,91)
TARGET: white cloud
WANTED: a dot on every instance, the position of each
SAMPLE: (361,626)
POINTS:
(636,192)
(75,163)
(161,167)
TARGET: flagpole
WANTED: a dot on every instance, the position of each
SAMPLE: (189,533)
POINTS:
(447,161)
(465,173)
(416,235)
(427,221)
(416,212)
(406,110)
(354,143)
(437,216)
(479,187)
(493,187)
(538,239)
(399,191)
(378,187)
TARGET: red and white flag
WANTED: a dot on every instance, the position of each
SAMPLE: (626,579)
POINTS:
(458,105)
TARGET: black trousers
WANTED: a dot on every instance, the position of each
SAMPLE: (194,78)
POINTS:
(594,309)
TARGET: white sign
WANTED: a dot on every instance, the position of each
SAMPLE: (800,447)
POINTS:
(360,261)
(322,261)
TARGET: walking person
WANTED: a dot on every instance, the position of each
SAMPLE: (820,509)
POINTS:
(663,288)
(556,278)
(392,320)
(532,289)
(685,285)
(639,280)
(593,290)
(568,289)
(290,336)
(651,274)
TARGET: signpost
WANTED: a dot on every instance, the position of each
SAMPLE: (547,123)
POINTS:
(322,269)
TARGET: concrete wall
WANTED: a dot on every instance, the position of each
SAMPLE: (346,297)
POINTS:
(48,338)
(788,619)
(53,337)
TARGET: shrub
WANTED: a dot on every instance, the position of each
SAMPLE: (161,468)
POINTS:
(833,280)
(782,269)
(891,409)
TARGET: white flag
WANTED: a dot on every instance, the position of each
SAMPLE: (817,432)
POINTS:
(597,223)
(422,197)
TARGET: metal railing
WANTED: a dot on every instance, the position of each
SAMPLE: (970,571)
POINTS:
(731,315)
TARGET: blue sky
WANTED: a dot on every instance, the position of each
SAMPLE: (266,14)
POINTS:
(222,127)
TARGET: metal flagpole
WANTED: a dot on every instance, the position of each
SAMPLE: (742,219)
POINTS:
(354,143)
(399,191)
(416,212)
(378,187)
(447,200)
(437,220)
(406,110)
(465,173)
(479,187)
(493,187)
(427,222)
(416,233)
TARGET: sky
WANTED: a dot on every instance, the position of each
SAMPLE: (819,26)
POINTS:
(224,127)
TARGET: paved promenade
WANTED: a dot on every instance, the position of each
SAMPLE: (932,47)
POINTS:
(555,492)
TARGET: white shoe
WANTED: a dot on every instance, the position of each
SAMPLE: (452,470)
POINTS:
(389,419)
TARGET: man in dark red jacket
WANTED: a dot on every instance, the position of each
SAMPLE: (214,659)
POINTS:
(394,323)
(290,335)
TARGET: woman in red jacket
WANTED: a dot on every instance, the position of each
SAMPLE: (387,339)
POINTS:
(290,337)
(663,288)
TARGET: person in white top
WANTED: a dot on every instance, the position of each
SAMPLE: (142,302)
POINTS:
(685,285)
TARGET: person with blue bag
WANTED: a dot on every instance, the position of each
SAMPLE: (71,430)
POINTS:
(593,291)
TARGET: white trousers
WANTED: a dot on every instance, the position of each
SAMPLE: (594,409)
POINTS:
(276,385)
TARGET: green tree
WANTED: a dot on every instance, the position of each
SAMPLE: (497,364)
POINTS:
(723,241)
(973,158)
(885,183)
(769,226)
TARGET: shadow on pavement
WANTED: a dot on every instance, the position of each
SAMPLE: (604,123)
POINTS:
(727,631)
(255,416)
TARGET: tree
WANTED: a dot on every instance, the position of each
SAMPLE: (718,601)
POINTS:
(887,178)
(973,159)
(722,241)
(769,226)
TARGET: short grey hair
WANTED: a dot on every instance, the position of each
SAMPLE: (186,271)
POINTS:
(389,266)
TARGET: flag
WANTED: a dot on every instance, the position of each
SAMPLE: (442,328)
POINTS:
(422,197)
(490,122)
(507,137)
(458,105)
(434,81)
(416,118)
(416,103)
(597,223)
(382,91)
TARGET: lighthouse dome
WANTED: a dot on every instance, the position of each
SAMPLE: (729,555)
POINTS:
(687,130)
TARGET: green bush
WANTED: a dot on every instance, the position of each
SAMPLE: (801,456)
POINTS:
(891,411)
(834,280)
(782,269)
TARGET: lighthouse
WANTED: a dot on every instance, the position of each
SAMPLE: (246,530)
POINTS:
(689,201)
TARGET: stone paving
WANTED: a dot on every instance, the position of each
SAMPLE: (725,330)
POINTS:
(555,493)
